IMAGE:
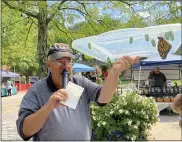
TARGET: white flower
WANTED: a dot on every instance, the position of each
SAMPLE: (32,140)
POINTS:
(103,123)
(138,123)
(157,115)
(111,112)
(120,111)
(133,138)
(135,127)
(146,117)
(143,113)
(126,112)
(129,122)
(98,124)
(94,118)
(144,124)
(125,103)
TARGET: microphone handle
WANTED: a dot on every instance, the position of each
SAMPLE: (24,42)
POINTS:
(65,75)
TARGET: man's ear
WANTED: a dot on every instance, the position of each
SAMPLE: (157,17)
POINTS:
(48,64)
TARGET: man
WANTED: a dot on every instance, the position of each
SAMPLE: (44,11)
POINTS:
(177,107)
(9,88)
(105,73)
(41,114)
(158,79)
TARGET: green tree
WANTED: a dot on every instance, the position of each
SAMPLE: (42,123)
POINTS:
(61,14)
(19,42)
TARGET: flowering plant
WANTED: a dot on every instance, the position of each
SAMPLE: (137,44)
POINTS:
(127,117)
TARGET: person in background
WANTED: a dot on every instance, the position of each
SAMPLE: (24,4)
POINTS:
(157,78)
(87,75)
(42,114)
(98,74)
(9,87)
(3,85)
(105,74)
(177,107)
(93,76)
(176,85)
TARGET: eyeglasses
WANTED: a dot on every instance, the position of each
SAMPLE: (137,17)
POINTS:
(63,62)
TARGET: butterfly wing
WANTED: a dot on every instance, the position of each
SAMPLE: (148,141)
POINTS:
(163,47)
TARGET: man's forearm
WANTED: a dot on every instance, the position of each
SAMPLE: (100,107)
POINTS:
(109,88)
(34,122)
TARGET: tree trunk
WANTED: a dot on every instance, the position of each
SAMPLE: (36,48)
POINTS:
(42,41)
(27,78)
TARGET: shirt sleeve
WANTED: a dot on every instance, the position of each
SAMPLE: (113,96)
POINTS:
(29,105)
(150,76)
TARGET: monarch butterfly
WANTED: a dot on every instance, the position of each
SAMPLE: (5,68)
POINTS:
(163,47)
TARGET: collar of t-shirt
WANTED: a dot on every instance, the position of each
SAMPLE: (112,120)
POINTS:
(51,83)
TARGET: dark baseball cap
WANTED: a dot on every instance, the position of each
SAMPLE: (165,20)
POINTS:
(59,50)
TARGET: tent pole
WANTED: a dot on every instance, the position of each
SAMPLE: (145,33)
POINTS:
(14,72)
(139,78)
(131,75)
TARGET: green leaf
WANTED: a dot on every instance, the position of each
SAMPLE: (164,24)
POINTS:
(108,60)
(167,35)
(147,37)
(171,35)
(153,43)
(131,40)
(89,45)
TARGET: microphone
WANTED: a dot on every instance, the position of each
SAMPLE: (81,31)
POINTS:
(65,75)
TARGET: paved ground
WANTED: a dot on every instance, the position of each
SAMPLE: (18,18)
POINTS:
(166,129)
(10,106)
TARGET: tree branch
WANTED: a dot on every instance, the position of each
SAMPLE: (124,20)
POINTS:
(100,21)
(149,7)
(21,10)
(83,14)
(130,5)
(58,8)
(28,33)
(3,7)
(171,12)
(62,30)
(49,40)
(33,21)
(137,3)
(83,6)
(14,23)
(89,2)
(69,32)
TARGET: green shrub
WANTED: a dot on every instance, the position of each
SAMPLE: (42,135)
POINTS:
(127,117)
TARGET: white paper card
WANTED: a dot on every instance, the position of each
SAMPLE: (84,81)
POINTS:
(74,92)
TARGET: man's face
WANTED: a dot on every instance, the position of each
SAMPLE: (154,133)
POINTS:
(57,66)
(157,71)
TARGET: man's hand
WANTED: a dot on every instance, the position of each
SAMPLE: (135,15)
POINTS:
(111,83)
(124,63)
(54,100)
